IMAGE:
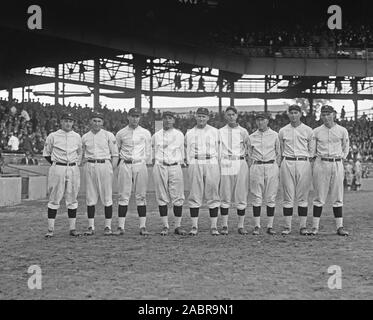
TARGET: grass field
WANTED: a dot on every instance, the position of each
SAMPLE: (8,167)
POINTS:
(174,267)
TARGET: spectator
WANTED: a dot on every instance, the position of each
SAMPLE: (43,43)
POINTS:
(13,142)
(28,159)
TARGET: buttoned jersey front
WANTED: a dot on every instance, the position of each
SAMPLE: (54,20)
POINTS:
(264,146)
(101,145)
(233,141)
(296,141)
(168,146)
(202,142)
(331,143)
(63,146)
(134,144)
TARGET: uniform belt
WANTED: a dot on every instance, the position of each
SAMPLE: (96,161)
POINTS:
(263,162)
(234,158)
(65,164)
(331,159)
(207,157)
(97,161)
(296,158)
(130,161)
(169,164)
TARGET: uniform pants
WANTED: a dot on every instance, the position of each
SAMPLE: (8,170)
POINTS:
(234,176)
(328,176)
(169,184)
(63,181)
(99,182)
(295,177)
(132,175)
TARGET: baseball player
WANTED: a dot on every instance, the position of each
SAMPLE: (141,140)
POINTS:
(202,151)
(296,142)
(264,159)
(168,155)
(358,171)
(100,155)
(331,147)
(234,171)
(63,150)
(349,171)
(134,145)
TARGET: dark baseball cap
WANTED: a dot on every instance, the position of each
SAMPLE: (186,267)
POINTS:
(261,115)
(294,107)
(231,108)
(134,112)
(67,116)
(168,113)
(97,115)
(202,111)
(327,109)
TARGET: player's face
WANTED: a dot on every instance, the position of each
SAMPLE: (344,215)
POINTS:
(294,116)
(133,121)
(262,124)
(327,118)
(231,117)
(168,122)
(201,120)
(67,124)
(97,124)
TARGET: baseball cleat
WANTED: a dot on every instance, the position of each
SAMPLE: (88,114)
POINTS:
(49,234)
(271,231)
(314,232)
(242,231)
(193,232)
(74,233)
(119,232)
(164,231)
(144,232)
(180,231)
(256,231)
(342,232)
(89,232)
(286,231)
(107,231)
(224,230)
(214,232)
(303,232)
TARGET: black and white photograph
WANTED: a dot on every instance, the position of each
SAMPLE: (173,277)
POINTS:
(186,155)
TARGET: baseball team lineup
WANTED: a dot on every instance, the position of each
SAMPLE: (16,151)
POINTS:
(226,167)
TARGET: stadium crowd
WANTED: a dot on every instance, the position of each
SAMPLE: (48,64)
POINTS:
(24,126)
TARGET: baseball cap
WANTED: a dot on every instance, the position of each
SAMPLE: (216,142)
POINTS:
(133,112)
(294,107)
(97,115)
(327,108)
(168,113)
(67,116)
(231,108)
(261,115)
(202,111)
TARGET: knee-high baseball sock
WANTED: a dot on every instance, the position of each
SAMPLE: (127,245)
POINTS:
(91,216)
(270,215)
(338,217)
(224,216)
(302,213)
(108,216)
(288,214)
(214,216)
(71,213)
(241,218)
(194,216)
(163,211)
(178,211)
(141,210)
(122,212)
(316,216)
(256,213)
(51,218)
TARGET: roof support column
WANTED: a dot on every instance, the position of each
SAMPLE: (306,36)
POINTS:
(138,64)
(96,83)
(56,84)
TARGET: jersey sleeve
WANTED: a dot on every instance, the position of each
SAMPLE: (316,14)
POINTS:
(48,146)
(345,144)
(113,146)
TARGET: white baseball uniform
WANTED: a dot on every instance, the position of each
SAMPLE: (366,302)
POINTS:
(65,150)
(234,171)
(135,152)
(264,178)
(168,152)
(202,151)
(330,144)
(100,146)
(296,175)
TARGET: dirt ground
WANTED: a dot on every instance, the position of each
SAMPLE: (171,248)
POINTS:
(174,267)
